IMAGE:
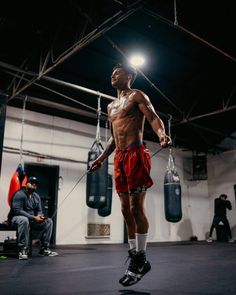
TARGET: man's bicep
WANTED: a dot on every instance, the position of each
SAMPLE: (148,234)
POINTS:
(146,107)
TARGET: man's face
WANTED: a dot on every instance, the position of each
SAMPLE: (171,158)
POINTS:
(119,78)
(31,187)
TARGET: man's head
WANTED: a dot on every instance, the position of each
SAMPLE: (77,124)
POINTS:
(123,76)
(32,184)
(223,197)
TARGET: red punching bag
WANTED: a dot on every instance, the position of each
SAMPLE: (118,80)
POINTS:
(18,180)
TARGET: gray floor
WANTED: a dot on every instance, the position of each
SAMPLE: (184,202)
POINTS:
(177,269)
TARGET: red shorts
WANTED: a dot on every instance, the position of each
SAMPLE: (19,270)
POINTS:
(132,167)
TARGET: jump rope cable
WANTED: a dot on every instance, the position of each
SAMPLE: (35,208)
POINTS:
(86,172)
(78,181)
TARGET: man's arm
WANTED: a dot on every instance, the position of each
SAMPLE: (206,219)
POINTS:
(155,121)
(110,147)
(18,205)
(228,204)
(38,209)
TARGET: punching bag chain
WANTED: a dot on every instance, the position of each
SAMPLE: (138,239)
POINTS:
(175,11)
(171,163)
(169,127)
(98,136)
(22,130)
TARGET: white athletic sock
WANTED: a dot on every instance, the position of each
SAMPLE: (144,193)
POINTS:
(132,243)
(141,242)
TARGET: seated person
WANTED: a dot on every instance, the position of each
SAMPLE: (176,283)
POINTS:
(26,214)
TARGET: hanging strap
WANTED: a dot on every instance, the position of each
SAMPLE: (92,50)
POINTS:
(171,162)
(175,12)
(97,140)
(22,130)
(98,135)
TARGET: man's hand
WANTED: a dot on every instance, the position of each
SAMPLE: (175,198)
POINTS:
(95,165)
(39,218)
(165,140)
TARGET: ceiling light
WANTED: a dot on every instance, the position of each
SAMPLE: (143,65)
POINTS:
(137,60)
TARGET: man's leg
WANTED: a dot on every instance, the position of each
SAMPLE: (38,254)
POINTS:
(215,222)
(139,266)
(23,228)
(130,226)
(45,233)
(128,216)
(209,240)
(228,229)
(138,212)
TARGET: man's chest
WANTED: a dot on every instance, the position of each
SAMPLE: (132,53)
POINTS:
(31,203)
(121,108)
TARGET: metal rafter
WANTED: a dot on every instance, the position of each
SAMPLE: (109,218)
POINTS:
(225,109)
(109,23)
(189,33)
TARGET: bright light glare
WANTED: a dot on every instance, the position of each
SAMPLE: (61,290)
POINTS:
(137,60)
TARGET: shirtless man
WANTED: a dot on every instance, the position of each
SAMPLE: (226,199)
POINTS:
(132,163)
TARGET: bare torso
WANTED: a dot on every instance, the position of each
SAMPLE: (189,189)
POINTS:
(127,120)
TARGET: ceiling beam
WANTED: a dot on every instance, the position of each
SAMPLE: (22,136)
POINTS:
(189,33)
(225,109)
(101,29)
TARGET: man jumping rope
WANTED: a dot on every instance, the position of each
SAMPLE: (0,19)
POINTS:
(132,163)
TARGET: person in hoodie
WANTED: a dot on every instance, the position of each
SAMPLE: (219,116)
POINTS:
(221,206)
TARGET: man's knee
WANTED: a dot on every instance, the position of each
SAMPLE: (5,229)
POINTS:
(49,223)
(138,212)
(21,221)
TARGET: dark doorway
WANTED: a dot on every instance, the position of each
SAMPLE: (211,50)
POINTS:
(48,176)
(235,191)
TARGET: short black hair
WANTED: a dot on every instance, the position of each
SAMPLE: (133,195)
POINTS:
(223,196)
(128,70)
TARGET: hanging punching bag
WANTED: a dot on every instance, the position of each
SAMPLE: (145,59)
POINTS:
(106,210)
(96,186)
(18,180)
(172,193)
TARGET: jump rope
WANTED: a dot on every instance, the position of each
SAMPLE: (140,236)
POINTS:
(83,175)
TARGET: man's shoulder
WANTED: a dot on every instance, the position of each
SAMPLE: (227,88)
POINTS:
(137,91)
(138,95)
(20,192)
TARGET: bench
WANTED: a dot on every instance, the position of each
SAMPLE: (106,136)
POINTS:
(5,227)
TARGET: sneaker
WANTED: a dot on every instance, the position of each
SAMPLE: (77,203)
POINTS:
(47,252)
(138,267)
(23,254)
(131,254)
(209,240)
(231,241)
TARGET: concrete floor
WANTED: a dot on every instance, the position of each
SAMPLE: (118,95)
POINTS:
(177,269)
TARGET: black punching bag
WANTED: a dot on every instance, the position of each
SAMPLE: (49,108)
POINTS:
(172,193)
(106,210)
(96,186)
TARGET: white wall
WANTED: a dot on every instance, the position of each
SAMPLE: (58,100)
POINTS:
(69,139)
